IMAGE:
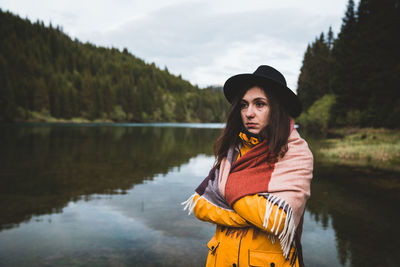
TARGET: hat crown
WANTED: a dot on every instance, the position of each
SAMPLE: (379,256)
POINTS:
(270,73)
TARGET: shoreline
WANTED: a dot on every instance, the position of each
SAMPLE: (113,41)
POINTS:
(359,147)
(377,148)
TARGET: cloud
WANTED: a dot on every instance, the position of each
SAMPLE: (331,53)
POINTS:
(208,47)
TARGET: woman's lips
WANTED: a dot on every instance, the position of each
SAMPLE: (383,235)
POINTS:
(251,125)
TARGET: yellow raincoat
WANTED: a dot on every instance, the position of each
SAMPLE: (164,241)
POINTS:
(240,238)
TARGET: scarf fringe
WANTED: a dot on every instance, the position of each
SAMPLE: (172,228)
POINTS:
(231,232)
(190,203)
(286,237)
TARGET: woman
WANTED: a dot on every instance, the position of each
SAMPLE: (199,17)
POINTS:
(257,190)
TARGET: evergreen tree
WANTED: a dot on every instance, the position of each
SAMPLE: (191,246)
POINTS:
(330,38)
(315,74)
(378,47)
(346,67)
(362,68)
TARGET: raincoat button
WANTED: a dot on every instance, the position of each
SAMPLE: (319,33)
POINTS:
(212,247)
(234,265)
(272,264)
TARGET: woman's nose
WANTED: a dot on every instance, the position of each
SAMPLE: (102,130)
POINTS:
(250,111)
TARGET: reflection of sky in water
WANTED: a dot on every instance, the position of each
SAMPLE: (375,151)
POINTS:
(144,227)
(319,243)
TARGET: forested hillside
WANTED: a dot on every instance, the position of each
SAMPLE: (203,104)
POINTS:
(354,79)
(43,71)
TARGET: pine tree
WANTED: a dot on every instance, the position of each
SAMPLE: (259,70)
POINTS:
(330,39)
(346,67)
(314,79)
(378,25)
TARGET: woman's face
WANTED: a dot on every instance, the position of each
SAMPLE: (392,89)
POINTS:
(254,110)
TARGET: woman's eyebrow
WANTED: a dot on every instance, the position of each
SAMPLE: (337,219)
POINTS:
(260,98)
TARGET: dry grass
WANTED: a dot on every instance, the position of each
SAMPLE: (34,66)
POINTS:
(373,147)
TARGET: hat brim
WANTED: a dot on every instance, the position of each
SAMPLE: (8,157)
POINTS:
(235,84)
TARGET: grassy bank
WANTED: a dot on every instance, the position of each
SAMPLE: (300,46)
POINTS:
(376,148)
(34,116)
(44,116)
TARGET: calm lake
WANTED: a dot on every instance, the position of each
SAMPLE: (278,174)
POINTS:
(109,195)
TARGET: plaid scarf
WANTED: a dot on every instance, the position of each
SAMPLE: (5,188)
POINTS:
(284,182)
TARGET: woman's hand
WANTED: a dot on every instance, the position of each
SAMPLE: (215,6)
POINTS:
(208,212)
(252,208)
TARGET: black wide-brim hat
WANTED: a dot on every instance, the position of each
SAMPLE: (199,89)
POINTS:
(268,78)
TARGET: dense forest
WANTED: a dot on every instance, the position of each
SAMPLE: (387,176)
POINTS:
(354,79)
(44,73)
(351,79)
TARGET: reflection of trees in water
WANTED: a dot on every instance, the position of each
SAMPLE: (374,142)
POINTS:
(364,218)
(44,168)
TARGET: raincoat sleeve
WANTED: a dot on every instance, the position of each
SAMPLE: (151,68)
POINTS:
(208,212)
(252,209)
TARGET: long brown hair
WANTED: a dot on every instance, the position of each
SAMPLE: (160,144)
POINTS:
(276,132)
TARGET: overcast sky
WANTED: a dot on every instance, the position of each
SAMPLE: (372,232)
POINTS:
(205,41)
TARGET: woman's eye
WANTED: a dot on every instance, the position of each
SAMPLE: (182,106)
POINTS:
(243,105)
(260,104)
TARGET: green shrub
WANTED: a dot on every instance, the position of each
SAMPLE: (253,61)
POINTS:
(317,118)
(118,114)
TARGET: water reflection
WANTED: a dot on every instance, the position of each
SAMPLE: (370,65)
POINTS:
(43,168)
(145,227)
(110,196)
(364,218)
